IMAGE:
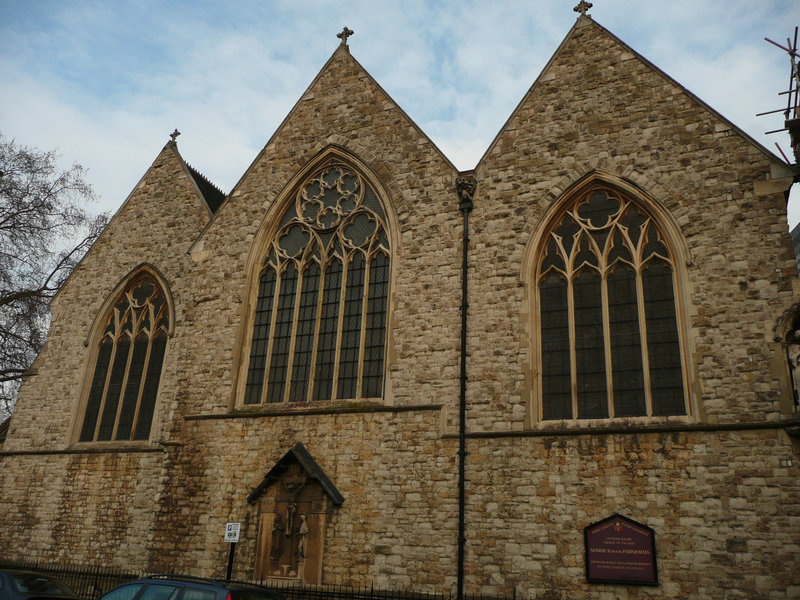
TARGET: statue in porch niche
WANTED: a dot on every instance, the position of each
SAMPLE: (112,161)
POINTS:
(302,533)
(294,501)
(277,547)
(296,524)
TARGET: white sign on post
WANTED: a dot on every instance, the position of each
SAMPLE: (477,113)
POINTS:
(232,532)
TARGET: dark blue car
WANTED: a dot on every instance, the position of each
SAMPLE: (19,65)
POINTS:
(188,588)
(25,585)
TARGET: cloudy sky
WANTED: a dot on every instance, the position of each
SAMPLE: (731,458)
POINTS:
(105,82)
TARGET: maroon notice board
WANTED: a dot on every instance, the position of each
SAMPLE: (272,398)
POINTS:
(620,550)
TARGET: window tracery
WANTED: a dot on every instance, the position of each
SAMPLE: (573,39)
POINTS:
(609,336)
(130,355)
(319,324)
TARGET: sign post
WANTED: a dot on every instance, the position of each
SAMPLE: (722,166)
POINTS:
(231,537)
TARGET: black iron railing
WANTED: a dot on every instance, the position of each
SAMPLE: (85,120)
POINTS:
(90,582)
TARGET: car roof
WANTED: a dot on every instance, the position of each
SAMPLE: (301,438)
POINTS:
(207,581)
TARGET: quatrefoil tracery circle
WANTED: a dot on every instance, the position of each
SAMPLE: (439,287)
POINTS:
(329,196)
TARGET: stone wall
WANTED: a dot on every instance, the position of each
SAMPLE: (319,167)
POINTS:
(720,487)
(623,118)
(155,227)
(724,506)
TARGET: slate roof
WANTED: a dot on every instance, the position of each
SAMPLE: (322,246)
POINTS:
(212,194)
(301,455)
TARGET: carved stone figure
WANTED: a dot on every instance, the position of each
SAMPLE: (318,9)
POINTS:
(302,535)
(276,549)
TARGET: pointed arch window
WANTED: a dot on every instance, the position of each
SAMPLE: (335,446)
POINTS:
(609,338)
(319,323)
(130,355)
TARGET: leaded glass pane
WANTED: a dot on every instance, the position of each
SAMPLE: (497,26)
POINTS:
(360,229)
(304,344)
(633,221)
(260,339)
(132,388)
(150,390)
(293,240)
(284,318)
(599,209)
(619,250)
(567,233)
(585,255)
(556,378)
(626,344)
(351,329)
(96,391)
(335,216)
(654,245)
(666,380)
(553,258)
(329,321)
(114,388)
(589,346)
(376,326)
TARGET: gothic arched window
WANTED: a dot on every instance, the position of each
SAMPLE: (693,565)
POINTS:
(130,354)
(319,322)
(609,339)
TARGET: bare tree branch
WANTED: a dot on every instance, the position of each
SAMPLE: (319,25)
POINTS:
(41,216)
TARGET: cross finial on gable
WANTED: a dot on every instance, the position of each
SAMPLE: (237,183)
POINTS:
(174,135)
(582,7)
(346,33)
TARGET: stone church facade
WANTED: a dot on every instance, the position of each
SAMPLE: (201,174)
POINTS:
(289,356)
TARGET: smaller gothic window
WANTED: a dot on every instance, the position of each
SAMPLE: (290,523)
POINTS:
(130,354)
(608,325)
(319,324)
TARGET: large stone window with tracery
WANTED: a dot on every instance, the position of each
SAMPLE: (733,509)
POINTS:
(609,336)
(319,319)
(127,369)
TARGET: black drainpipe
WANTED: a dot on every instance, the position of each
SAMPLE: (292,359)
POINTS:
(465,186)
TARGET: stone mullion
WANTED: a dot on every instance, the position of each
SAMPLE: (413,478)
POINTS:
(133,335)
(293,336)
(155,324)
(573,357)
(123,387)
(150,336)
(681,336)
(606,310)
(346,260)
(312,366)
(638,266)
(363,333)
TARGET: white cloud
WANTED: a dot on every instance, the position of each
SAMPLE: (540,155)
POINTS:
(107,82)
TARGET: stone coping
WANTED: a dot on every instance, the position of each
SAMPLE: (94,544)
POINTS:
(791,426)
(121,448)
(327,410)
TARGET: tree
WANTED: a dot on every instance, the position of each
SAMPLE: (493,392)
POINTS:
(44,232)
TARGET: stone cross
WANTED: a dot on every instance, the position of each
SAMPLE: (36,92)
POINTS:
(174,135)
(346,33)
(582,7)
